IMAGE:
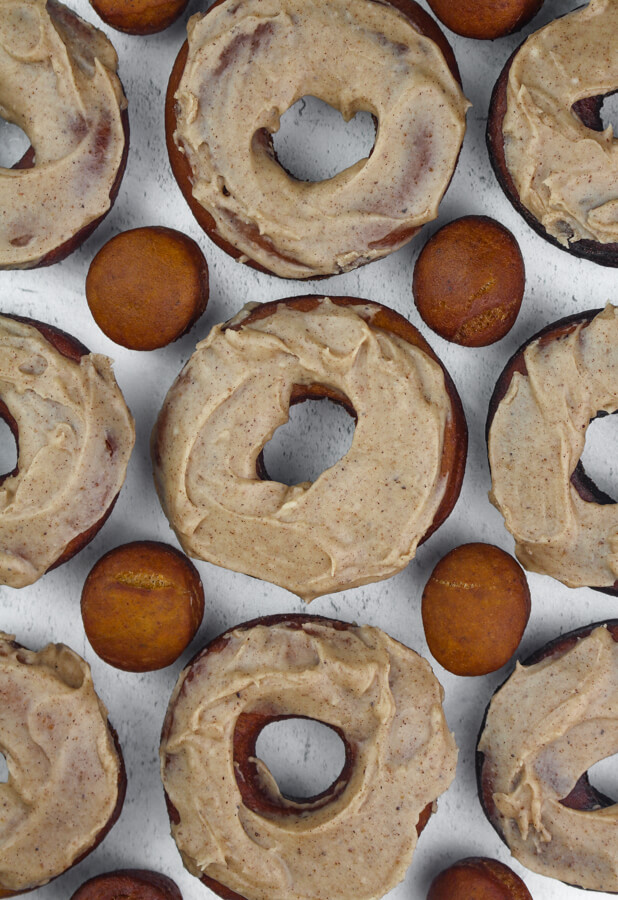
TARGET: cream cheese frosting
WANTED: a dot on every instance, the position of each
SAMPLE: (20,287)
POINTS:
(58,82)
(249,62)
(75,438)
(546,726)
(566,175)
(64,770)
(388,704)
(362,519)
(536,438)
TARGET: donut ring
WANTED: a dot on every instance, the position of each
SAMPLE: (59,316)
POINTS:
(73,156)
(133,884)
(580,821)
(52,704)
(257,212)
(74,436)
(209,471)
(571,539)
(580,118)
(285,673)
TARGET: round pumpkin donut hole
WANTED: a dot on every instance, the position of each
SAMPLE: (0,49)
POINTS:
(142,604)
(475,609)
(469,281)
(139,16)
(136,884)
(478,878)
(485,20)
(147,287)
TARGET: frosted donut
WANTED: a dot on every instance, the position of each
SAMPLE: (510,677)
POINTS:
(67,780)
(364,517)
(58,82)
(563,525)
(74,436)
(246,63)
(233,827)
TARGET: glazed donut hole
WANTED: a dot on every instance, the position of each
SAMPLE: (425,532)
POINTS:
(485,19)
(475,608)
(469,281)
(132,884)
(142,604)
(478,878)
(139,17)
(147,287)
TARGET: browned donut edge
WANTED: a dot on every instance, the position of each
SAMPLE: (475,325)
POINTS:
(139,884)
(583,484)
(246,739)
(589,112)
(583,796)
(72,349)
(122,790)
(183,173)
(149,25)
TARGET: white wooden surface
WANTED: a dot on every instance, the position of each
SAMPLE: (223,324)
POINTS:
(557,285)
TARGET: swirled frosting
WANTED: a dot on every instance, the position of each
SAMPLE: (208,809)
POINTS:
(565,174)
(63,766)
(249,62)
(546,726)
(388,704)
(362,519)
(75,438)
(58,82)
(536,438)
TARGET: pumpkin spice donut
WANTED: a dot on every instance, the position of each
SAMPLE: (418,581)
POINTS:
(131,884)
(58,82)
(552,720)
(67,779)
(245,64)
(551,155)
(74,436)
(363,518)
(234,828)
(548,393)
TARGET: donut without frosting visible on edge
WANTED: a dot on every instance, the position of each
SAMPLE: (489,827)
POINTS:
(58,83)
(546,107)
(552,720)
(380,697)
(363,518)
(74,436)
(67,780)
(128,884)
(243,198)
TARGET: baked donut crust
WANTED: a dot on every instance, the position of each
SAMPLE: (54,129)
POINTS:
(35,208)
(581,485)
(133,884)
(75,691)
(253,246)
(588,111)
(257,798)
(579,867)
(202,529)
(23,562)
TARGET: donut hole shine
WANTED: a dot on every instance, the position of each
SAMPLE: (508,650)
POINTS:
(599,457)
(14,144)
(315,143)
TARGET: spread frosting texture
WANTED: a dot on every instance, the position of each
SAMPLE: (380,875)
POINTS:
(388,704)
(249,62)
(58,83)
(566,175)
(545,727)
(535,441)
(63,766)
(362,519)
(75,438)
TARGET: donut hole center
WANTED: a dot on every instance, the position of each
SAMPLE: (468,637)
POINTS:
(315,143)
(8,450)
(4,769)
(14,144)
(316,436)
(609,112)
(603,777)
(304,756)
(599,456)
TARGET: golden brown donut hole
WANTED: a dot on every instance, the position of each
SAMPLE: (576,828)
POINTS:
(478,878)
(139,16)
(485,19)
